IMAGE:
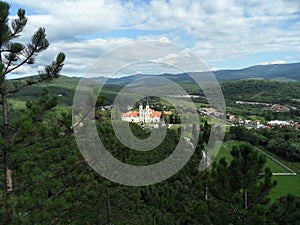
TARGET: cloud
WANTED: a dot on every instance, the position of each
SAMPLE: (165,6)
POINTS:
(81,54)
(214,30)
(66,19)
(25,71)
(273,62)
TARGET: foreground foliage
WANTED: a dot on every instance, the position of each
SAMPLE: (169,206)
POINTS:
(54,185)
(13,55)
(284,142)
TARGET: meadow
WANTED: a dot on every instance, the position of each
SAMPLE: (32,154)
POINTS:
(286,184)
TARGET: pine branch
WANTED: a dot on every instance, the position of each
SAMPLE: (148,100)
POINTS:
(38,44)
(58,193)
(19,24)
(14,50)
(285,212)
(82,118)
(51,72)
(220,198)
(56,219)
(36,158)
(235,213)
(31,143)
(38,183)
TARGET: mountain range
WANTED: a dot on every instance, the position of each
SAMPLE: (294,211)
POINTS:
(278,72)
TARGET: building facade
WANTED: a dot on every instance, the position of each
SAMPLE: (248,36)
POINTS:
(144,115)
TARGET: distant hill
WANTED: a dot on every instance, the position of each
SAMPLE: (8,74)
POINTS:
(267,72)
(279,72)
(251,83)
(64,87)
(244,89)
(262,91)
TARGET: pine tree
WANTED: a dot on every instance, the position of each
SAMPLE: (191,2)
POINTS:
(241,188)
(13,55)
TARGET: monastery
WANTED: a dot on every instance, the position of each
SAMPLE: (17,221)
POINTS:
(144,115)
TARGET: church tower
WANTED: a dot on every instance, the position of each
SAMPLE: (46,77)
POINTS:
(141,112)
(147,112)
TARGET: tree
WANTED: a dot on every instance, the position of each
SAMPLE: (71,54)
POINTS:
(13,55)
(241,188)
(285,211)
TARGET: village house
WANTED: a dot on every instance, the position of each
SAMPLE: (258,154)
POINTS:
(210,112)
(279,123)
(279,108)
(230,116)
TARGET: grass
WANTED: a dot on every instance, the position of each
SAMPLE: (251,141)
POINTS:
(17,104)
(225,152)
(292,165)
(286,184)
(295,165)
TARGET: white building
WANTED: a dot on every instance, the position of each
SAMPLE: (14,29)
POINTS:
(278,123)
(144,115)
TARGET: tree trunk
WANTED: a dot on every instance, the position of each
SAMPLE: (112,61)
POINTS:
(5,135)
(206,193)
(109,208)
(245,197)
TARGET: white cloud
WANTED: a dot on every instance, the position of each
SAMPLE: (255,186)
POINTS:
(213,68)
(26,71)
(66,19)
(82,54)
(273,62)
(214,30)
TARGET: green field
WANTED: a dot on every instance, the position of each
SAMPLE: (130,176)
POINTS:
(225,152)
(286,184)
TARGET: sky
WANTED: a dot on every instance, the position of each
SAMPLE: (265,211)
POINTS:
(223,34)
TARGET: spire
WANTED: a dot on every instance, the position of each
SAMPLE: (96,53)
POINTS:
(141,106)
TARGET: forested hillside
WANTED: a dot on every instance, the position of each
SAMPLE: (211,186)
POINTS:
(55,185)
(245,90)
(262,91)
(73,160)
(279,72)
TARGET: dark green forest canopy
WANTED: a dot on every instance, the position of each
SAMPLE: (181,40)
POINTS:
(56,184)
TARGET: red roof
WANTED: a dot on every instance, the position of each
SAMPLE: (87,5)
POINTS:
(131,114)
(153,114)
